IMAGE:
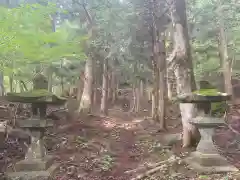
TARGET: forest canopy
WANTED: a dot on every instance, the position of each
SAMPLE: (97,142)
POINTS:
(50,33)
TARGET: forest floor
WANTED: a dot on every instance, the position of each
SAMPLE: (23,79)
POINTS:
(119,147)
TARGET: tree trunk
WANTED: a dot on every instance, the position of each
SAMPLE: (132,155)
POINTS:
(80,88)
(223,52)
(155,63)
(149,90)
(22,86)
(1,84)
(142,90)
(94,83)
(188,110)
(98,71)
(171,80)
(136,97)
(61,79)
(86,99)
(110,86)
(137,92)
(170,83)
(49,76)
(11,82)
(162,84)
(155,91)
(86,103)
(182,59)
(104,100)
(114,87)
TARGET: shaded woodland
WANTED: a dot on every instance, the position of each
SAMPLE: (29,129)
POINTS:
(120,64)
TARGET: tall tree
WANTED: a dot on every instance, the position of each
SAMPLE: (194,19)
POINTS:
(162,83)
(105,84)
(223,51)
(183,68)
(86,100)
(159,62)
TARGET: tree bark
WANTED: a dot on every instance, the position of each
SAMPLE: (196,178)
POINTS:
(162,84)
(86,103)
(137,92)
(104,100)
(170,83)
(142,90)
(182,59)
(171,80)
(94,83)
(98,71)
(49,76)
(80,85)
(110,85)
(136,97)
(11,82)
(223,52)
(149,90)
(23,86)
(20,86)
(157,61)
(86,100)
(114,87)
(1,83)
(155,91)
(61,78)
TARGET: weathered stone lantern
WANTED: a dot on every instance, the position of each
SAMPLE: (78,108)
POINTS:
(37,164)
(206,158)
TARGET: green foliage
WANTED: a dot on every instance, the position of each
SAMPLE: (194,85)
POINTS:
(122,27)
(27,30)
(204,18)
(27,39)
(106,162)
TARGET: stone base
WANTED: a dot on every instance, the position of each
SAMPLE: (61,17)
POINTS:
(34,164)
(212,163)
(35,123)
(33,175)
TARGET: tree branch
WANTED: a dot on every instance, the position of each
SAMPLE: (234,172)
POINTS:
(89,18)
(158,166)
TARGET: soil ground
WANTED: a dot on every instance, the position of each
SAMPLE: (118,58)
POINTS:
(110,148)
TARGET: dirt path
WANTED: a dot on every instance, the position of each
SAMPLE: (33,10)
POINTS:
(97,148)
(105,148)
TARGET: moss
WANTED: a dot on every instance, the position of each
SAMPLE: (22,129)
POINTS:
(33,93)
(208,92)
(35,96)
